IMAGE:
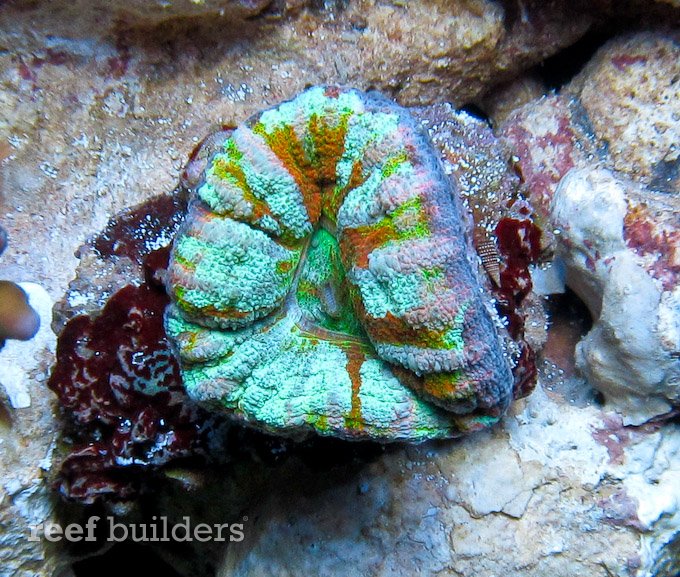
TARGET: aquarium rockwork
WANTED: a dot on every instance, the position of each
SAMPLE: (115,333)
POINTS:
(349,288)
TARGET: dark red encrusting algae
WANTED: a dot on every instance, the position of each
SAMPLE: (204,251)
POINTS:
(115,374)
(138,232)
(120,383)
(519,243)
(117,377)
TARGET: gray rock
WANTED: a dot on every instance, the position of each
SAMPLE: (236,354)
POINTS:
(558,490)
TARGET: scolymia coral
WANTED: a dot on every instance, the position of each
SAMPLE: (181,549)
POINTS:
(325,280)
(358,310)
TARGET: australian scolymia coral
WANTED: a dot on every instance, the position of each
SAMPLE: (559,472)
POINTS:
(323,280)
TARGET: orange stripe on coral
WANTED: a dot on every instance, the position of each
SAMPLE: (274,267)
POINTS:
(392,329)
(285,144)
(355,359)
(230,170)
(329,144)
(356,244)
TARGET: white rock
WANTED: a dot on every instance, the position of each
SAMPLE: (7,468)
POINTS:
(631,353)
(19,359)
(27,441)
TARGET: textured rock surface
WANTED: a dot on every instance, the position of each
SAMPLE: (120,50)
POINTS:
(622,110)
(631,94)
(560,490)
(134,12)
(506,98)
(550,136)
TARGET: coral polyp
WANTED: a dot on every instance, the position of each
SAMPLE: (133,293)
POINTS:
(324,280)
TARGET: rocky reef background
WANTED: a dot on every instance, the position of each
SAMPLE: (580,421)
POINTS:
(101,103)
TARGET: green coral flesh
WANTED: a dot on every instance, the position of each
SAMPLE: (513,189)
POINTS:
(283,379)
(316,285)
(322,291)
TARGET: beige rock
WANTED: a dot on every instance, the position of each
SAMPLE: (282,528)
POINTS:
(544,495)
(631,94)
(505,99)
(155,11)
(622,111)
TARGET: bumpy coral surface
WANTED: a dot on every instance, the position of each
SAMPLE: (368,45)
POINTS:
(324,280)
(127,433)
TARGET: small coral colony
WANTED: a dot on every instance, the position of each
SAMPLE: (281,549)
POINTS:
(323,280)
